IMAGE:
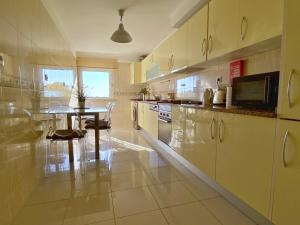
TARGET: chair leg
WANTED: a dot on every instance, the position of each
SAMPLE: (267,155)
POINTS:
(109,138)
(83,156)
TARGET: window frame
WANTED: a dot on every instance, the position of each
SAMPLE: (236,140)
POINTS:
(49,67)
(80,80)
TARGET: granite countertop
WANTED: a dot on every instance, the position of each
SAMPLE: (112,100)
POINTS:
(235,110)
(198,105)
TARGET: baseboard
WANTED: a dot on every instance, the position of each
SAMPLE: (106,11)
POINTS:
(166,151)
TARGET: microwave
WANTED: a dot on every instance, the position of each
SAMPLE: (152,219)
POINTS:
(256,91)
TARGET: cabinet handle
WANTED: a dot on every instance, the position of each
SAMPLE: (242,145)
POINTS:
(204,46)
(289,87)
(210,44)
(286,136)
(243,34)
(220,124)
(212,134)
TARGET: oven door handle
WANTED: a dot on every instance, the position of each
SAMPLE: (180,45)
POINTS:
(164,121)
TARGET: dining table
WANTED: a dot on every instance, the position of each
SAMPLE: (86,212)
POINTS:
(70,112)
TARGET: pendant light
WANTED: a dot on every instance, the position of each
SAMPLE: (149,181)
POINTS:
(121,35)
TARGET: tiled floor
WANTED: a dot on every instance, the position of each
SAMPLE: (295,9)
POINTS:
(131,185)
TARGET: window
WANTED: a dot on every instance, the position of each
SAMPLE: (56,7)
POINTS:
(58,82)
(96,83)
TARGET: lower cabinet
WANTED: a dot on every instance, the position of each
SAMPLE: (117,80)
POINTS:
(199,140)
(245,153)
(287,174)
(150,121)
(141,114)
(178,128)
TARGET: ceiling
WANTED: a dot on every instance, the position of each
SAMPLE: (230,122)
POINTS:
(88,24)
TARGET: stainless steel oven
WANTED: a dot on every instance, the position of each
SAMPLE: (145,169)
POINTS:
(165,123)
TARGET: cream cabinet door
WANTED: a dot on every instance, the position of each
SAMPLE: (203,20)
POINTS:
(197,37)
(223,27)
(135,73)
(259,20)
(245,150)
(179,48)
(141,114)
(200,140)
(151,121)
(178,128)
(289,98)
(287,180)
(163,56)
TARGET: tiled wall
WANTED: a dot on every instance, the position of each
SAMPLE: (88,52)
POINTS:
(28,38)
(191,86)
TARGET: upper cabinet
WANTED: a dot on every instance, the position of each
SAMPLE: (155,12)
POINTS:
(163,53)
(289,98)
(197,37)
(216,30)
(223,27)
(259,20)
(135,73)
(178,58)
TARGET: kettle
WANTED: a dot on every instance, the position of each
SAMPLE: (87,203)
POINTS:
(208,97)
(219,97)
(220,94)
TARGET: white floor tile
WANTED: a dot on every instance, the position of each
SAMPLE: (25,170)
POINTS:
(149,218)
(133,201)
(189,214)
(89,209)
(170,194)
(226,213)
(200,189)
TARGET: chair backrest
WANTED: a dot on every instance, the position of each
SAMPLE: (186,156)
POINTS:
(64,109)
(109,113)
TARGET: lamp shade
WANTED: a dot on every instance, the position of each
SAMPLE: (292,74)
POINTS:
(121,35)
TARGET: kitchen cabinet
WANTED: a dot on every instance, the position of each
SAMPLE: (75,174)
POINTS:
(163,54)
(148,65)
(200,144)
(135,73)
(289,98)
(197,37)
(150,121)
(259,20)
(287,174)
(178,58)
(141,106)
(223,27)
(245,148)
(178,128)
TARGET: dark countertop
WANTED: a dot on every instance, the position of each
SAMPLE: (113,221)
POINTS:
(235,110)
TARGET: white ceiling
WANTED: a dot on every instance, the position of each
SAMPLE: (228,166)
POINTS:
(88,24)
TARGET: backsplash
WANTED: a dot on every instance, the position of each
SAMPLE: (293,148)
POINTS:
(192,86)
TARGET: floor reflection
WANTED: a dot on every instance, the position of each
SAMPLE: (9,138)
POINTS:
(131,184)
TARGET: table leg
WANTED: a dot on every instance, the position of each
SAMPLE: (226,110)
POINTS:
(97,136)
(71,154)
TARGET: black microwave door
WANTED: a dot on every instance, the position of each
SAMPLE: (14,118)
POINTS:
(247,92)
(256,91)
